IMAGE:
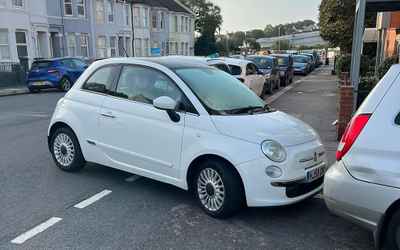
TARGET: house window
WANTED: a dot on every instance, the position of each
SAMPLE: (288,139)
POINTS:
(175,24)
(22,46)
(186,24)
(154,21)
(187,49)
(182,49)
(182,24)
(126,14)
(136,16)
(138,47)
(4,45)
(101,47)
(145,16)
(68,7)
(190,25)
(162,21)
(176,48)
(128,45)
(145,47)
(100,12)
(71,43)
(110,11)
(19,4)
(84,39)
(80,4)
(113,46)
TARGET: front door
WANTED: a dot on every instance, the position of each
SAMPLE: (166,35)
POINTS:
(135,135)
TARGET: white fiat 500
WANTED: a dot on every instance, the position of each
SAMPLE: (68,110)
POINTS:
(190,125)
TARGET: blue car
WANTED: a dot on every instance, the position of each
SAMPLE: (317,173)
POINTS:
(301,65)
(60,73)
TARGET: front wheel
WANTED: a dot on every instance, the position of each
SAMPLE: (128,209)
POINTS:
(218,189)
(66,150)
(392,240)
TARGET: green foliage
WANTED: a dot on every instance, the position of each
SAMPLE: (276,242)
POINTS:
(336,21)
(385,66)
(289,28)
(343,64)
(208,21)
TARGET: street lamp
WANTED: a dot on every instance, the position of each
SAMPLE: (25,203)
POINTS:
(279,38)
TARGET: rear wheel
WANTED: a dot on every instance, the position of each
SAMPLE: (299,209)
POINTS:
(66,150)
(392,238)
(65,84)
(218,189)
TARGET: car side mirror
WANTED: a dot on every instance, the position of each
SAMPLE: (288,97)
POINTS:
(165,103)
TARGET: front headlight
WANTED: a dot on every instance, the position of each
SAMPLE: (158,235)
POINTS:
(274,151)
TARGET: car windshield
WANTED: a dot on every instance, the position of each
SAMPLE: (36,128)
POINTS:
(41,64)
(262,63)
(221,93)
(300,59)
(283,61)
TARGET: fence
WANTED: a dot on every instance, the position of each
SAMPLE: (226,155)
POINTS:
(12,75)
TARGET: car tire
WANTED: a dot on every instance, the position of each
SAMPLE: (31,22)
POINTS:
(392,238)
(65,84)
(66,151)
(218,189)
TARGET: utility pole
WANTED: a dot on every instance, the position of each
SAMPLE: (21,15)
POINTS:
(279,38)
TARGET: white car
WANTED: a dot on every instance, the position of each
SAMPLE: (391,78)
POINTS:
(364,184)
(190,125)
(248,73)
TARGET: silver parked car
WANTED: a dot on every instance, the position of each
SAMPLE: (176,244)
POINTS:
(364,184)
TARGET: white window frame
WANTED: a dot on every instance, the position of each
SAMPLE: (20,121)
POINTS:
(154,17)
(101,49)
(83,5)
(182,26)
(71,45)
(5,45)
(100,11)
(145,17)
(127,15)
(128,45)
(68,2)
(162,20)
(15,4)
(138,47)
(110,7)
(84,44)
(113,48)
(136,16)
(175,23)
(22,44)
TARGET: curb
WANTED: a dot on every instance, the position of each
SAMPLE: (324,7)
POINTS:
(8,92)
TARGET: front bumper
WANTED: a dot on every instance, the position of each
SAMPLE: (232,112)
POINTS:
(263,191)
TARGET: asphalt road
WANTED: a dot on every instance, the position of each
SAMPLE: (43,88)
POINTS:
(145,214)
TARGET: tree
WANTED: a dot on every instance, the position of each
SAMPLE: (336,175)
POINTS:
(336,20)
(208,21)
(282,45)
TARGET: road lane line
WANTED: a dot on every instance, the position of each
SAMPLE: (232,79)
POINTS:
(36,230)
(133,178)
(92,199)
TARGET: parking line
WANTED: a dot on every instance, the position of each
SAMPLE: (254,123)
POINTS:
(36,230)
(92,199)
(133,178)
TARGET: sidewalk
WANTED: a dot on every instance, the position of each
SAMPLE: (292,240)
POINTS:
(314,100)
(14,91)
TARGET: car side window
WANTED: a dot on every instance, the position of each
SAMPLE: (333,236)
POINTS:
(78,63)
(68,63)
(236,70)
(397,120)
(102,80)
(223,67)
(142,84)
(251,69)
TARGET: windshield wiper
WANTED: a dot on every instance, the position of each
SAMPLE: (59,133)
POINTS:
(250,110)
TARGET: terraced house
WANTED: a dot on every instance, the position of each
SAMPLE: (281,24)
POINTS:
(32,29)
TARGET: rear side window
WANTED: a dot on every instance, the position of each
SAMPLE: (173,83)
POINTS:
(236,70)
(397,120)
(251,69)
(102,81)
(41,65)
(223,67)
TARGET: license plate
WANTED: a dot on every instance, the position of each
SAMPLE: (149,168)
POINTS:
(39,83)
(315,174)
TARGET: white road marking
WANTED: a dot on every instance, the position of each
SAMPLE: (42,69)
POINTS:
(133,178)
(36,230)
(92,199)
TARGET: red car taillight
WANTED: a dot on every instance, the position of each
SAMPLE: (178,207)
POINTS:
(351,133)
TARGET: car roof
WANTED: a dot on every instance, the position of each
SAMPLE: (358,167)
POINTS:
(262,56)
(234,61)
(177,62)
(281,55)
(56,59)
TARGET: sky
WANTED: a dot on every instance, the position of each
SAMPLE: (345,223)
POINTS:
(252,14)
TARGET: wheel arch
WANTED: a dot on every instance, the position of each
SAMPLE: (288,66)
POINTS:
(382,228)
(190,174)
(56,126)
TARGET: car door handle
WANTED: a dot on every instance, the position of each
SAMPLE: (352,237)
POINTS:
(108,115)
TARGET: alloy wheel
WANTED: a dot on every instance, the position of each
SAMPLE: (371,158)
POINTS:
(211,190)
(64,150)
